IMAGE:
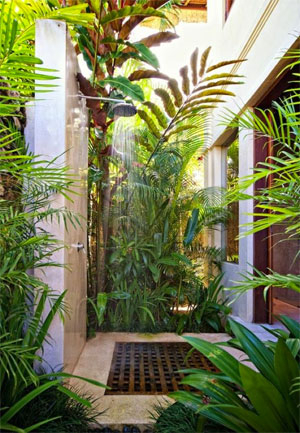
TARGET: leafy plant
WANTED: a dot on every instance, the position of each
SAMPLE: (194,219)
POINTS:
(107,49)
(27,184)
(67,414)
(239,397)
(206,308)
(278,204)
(181,127)
(178,418)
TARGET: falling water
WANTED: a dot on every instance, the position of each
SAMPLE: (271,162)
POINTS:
(123,149)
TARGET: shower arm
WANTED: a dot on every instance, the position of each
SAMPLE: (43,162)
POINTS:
(101,98)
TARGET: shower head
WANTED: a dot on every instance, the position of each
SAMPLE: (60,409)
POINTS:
(124,109)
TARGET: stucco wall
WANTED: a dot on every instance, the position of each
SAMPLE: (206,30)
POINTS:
(57,127)
(260,31)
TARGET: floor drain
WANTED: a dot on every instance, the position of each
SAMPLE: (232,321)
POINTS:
(152,368)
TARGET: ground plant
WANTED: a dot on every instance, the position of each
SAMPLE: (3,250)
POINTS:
(240,398)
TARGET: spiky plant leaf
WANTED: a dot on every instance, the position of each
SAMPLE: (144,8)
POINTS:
(221,64)
(220,76)
(203,61)
(216,84)
(180,129)
(200,102)
(147,73)
(194,66)
(161,118)
(158,38)
(210,92)
(173,85)
(150,123)
(131,11)
(184,72)
(167,101)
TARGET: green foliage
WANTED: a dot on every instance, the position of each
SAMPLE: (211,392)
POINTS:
(178,418)
(67,414)
(27,184)
(150,288)
(145,200)
(187,129)
(125,86)
(279,203)
(240,398)
(106,47)
(21,72)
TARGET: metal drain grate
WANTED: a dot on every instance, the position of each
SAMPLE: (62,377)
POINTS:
(152,368)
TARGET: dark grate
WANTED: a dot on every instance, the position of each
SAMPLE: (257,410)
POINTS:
(152,368)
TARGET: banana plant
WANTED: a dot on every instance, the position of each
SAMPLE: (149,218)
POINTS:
(239,397)
(107,48)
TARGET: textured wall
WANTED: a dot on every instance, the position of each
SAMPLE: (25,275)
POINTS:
(58,127)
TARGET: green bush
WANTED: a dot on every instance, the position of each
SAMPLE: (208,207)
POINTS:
(68,414)
(239,397)
(178,418)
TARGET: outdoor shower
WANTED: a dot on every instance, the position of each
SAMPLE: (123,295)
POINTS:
(124,109)
(121,108)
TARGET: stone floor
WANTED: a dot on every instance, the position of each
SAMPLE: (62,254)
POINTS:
(95,362)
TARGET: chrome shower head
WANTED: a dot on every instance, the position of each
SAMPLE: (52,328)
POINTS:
(124,109)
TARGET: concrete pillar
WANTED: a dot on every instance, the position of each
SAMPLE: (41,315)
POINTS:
(58,128)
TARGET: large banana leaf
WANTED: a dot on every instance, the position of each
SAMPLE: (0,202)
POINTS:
(131,11)
(127,87)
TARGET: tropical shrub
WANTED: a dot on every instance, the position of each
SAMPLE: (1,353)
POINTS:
(27,184)
(107,48)
(207,310)
(278,204)
(240,398)
(157,211)
(67,414)
(265,399)
(178,418)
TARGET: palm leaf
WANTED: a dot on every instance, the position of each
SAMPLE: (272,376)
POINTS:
(225,63)
(167,101)
(178,98)
(194,66)
(185,80)
(203,61)
(141,74)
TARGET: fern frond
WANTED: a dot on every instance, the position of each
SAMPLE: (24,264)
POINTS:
(220,76)
(216,84)
(141,74)
(180,129)
(200,102)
